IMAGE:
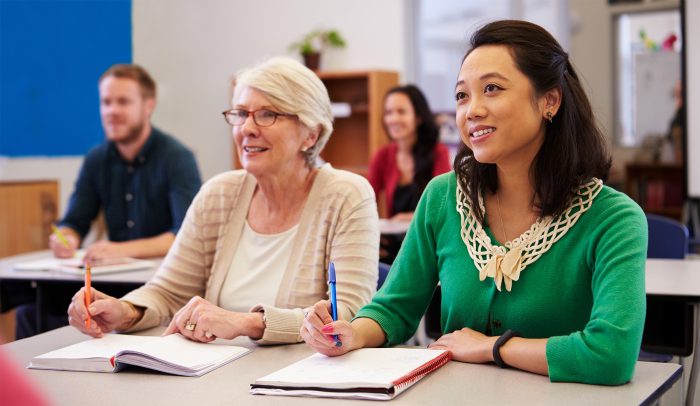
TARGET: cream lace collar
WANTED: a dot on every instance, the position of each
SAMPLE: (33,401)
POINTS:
(505,263)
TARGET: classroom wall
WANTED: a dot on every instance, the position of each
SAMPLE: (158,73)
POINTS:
(52,55)
(193,49)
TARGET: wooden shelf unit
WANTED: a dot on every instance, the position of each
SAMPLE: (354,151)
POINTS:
(657,187)
(356,138)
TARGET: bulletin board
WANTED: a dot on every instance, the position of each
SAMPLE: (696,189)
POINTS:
(51,55)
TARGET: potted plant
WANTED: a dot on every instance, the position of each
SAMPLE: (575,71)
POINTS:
(313,43)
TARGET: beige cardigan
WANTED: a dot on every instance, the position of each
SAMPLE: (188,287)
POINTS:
(339,223)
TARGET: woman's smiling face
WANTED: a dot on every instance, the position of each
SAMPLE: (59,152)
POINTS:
(268,150)
(499,117)
(400,118)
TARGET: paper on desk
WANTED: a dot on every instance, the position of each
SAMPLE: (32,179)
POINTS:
(75,265)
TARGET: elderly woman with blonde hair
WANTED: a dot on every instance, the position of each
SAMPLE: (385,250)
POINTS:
(256,243)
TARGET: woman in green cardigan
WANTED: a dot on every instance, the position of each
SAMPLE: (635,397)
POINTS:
(541,266)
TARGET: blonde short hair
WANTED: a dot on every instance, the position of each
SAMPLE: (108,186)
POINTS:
(293,88)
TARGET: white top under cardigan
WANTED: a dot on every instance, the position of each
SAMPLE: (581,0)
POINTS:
(257,269)
(339,223)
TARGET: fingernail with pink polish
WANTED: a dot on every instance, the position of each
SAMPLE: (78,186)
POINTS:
(327,328)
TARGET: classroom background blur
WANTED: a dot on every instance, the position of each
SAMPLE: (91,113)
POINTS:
(53,52)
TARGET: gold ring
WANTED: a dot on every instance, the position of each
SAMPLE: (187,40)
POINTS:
(190,326)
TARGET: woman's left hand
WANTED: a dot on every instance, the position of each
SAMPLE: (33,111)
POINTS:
(467,345)
(200,320)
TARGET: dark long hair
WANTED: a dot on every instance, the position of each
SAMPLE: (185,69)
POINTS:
(427,133)
(574,149)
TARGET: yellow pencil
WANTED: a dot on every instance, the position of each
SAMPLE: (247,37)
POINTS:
(62,238)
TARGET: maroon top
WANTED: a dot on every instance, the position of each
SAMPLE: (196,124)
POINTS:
(384,173)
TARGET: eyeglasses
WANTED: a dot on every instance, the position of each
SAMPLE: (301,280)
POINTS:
(263,117)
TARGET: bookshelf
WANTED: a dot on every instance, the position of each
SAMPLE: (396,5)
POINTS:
(657,187)
(357,137)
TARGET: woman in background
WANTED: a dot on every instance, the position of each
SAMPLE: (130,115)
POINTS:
(402,169)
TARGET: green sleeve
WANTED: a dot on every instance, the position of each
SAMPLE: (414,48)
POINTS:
(406,293)
(606,351)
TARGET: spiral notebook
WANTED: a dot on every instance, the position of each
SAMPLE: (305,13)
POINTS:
(367,373)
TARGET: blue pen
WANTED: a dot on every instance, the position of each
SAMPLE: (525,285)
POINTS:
(334,303)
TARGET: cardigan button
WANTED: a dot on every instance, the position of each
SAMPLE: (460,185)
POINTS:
(497,323)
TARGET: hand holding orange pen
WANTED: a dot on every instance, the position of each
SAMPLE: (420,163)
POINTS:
(88,291)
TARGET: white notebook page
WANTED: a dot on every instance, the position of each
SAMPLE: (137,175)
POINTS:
(376,367)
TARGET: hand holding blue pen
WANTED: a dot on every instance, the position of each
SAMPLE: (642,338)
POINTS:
(334,302)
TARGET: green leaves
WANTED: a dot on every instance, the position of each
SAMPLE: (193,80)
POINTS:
(318,40)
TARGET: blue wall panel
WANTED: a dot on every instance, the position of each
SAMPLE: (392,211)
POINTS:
(51,56)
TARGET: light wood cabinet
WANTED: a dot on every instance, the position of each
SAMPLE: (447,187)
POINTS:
(357,137)
(27,210)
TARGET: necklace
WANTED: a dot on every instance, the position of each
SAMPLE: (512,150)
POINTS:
(500,217)
(505,265)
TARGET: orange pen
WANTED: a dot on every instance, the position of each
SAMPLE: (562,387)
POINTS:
(88,291)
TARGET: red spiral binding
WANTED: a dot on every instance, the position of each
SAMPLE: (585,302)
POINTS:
(423,370)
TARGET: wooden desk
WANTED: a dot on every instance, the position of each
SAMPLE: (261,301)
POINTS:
(678,278)
(45,280)
(455,383)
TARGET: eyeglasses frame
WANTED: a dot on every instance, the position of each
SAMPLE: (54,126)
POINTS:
(252,113)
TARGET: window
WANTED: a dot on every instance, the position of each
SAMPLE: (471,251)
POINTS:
(648,67)
(443,28)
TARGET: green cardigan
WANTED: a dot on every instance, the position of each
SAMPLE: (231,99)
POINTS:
(586,294)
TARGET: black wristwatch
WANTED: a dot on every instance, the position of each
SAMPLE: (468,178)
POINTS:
(499,343)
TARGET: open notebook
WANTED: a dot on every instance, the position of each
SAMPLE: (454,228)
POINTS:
(367,373)
(75,265)
(172,354)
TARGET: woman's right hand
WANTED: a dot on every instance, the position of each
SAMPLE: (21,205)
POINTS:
(318,329)
(107,313)
(60,250)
